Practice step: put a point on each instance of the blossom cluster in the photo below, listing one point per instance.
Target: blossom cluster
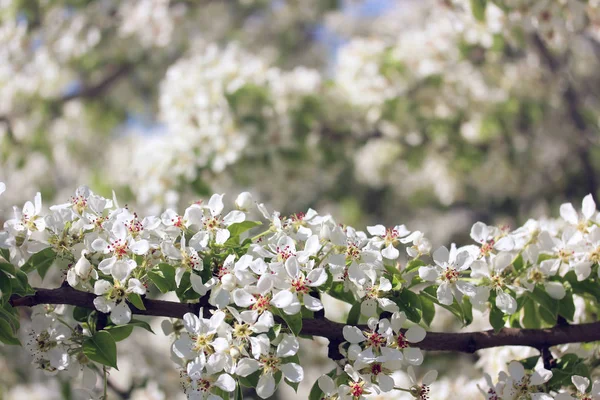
(258, 289)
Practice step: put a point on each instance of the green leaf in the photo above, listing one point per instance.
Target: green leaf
(7, 268)
(410, 303)
(163, 276)
(530, 362)
(496, 318)
(136, 300)
(530, 317)
(141, 324)
(239, 394)
(21, 285)
(414, 264)
(221, 393)
(40, 261)
(354, 315)
(294, 322)
(544, 300)
(251, 380)
(119, 332)
(5, 286)
(101, 348)
(10, 315)
(7, 335)
(428, 310)
(430, 294)
(566, 307)
(467, 309)
(238, 228)
(337, 292)
(80, 314)
(478, 7)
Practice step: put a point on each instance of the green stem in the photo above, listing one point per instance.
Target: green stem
(105, 395)
(261, 234)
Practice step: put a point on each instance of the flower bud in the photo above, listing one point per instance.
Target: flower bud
(228, 282)
(244, 201)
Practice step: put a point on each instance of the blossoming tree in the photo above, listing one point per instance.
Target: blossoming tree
(446, 114)
(249, 288)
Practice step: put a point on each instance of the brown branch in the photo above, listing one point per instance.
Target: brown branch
(100, 87)
(467, 342)
(573, 103)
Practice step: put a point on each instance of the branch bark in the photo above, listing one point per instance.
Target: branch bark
(465, 342)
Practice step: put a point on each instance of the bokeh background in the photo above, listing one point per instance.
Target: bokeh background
(431, 113)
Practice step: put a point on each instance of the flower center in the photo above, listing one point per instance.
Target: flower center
(356, 388)
(203, 343)
(450, 275)
(300, 285)
(375, 340)
(118, 247)
(401, 342)
(262, 303)
(242, 331)
(486, 248)
(283, 253)
(270, 363)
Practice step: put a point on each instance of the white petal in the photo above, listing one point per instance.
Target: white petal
(282, 299)
(429, 377)
(506, 303)
(369, 307)
(234, 217)
(516, 370)
(103, 305)
(441, 256)
(197, 285)
(413, 356)
(466, 288)
(215, 204)
(222, 236)
(311, 303)
(580, 382)
(540, 376)
(568, 213)
(501, 261)
(588, 206)
(191, 323)
(266, 386)
(292, 371)
(292, 267)
(288, 346)
(428, 274)
(444, 294)
(352, 334)
(480, 232)
(386, 383)
(377, 230)
(246, 366)
(243, 298)
(505, 244)
(415, 334)
(555, 289)
(326, 384)
(140, 247)
(120, 314)
(390, 252)
(225, 382)
(101, 287)
(316, 277)
(135, 286)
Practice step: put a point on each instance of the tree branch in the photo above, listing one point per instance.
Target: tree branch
(467, 342)
(573, 105)
(100, 87)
